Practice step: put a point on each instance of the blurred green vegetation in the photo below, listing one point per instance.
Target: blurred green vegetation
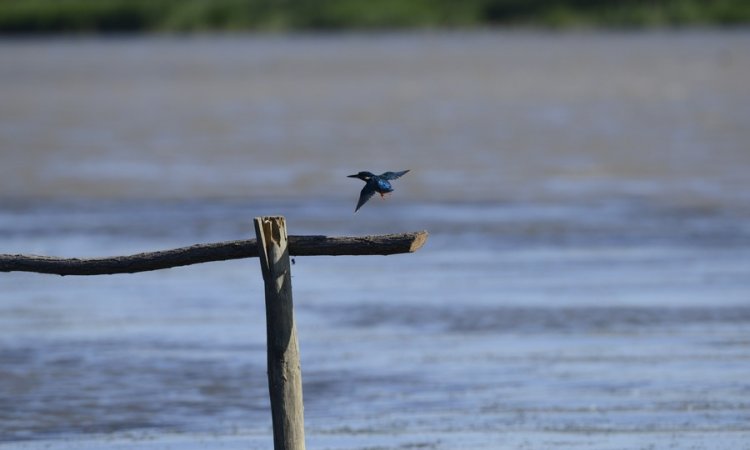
(119, 16)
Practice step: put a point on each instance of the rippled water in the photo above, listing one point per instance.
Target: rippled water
(585, 284)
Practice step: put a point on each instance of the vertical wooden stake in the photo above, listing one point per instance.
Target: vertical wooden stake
(284, 375)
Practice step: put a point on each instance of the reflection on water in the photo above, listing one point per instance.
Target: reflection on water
(585, 281)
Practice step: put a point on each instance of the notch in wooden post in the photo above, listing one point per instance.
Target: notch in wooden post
(284, 373)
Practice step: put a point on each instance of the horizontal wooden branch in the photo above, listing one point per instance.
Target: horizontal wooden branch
(386, 244)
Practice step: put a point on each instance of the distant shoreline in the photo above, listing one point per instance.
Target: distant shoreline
(21, 17)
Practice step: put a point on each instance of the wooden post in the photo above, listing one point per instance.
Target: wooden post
(384, 244)
(284, 374)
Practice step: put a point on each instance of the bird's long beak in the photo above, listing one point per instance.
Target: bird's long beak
(353, 176)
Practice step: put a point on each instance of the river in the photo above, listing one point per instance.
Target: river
(586, 283)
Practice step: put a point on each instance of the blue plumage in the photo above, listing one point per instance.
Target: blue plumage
(375, 183)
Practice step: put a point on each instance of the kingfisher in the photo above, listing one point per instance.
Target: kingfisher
(375, 183)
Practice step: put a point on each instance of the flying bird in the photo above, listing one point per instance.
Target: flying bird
(375, 183)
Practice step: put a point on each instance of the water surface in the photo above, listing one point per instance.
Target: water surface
(585, 284)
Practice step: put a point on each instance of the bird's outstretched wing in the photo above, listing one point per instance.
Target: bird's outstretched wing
(367, 192)
(392, 175)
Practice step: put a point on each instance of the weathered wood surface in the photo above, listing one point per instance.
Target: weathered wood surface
(386, 244)
(284, 372)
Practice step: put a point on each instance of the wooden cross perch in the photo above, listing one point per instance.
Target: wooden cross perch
(273, 247)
